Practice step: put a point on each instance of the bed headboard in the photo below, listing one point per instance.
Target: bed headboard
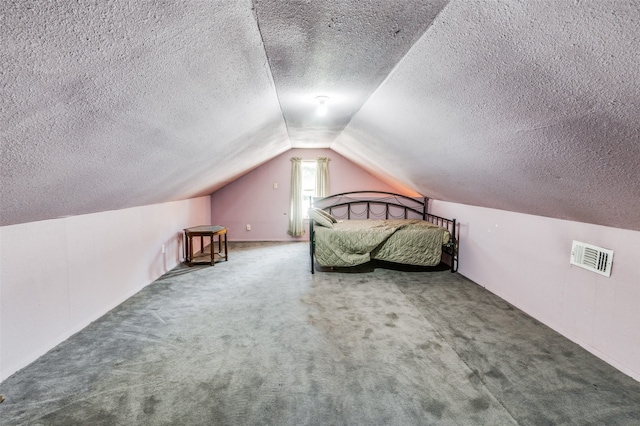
(372, 205)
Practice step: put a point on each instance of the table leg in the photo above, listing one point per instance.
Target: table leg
(226, 251)
(213, 245)
(190, 249)
(186, 247)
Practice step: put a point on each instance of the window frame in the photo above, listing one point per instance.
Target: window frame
(308, 192)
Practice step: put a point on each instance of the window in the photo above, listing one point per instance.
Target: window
(308, 185)
(308, 179)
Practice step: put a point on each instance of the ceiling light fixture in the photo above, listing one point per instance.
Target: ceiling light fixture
(322, 105)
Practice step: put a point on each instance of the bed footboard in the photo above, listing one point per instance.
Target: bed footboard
(450, 248)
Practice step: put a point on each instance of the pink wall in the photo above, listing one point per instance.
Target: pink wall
(252, 199)
(59, 275)
(525, 260)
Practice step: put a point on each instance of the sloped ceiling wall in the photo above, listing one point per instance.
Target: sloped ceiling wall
(528, 106)
(341, 50)
(118, 104)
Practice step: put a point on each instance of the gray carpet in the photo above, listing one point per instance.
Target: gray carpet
(258, 340)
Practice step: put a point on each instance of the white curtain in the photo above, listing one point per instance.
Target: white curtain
(296, 227)
(322, 177)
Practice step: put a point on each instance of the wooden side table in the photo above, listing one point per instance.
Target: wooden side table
(205, 231)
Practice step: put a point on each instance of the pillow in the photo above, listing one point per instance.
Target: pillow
(326, 214)
(319, 218)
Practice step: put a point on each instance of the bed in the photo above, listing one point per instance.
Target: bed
(354, 228)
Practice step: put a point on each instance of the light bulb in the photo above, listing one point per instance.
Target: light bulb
(321, 110)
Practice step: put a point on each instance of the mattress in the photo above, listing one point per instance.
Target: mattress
(354, 242)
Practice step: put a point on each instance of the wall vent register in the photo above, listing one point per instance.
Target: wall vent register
(592, 258)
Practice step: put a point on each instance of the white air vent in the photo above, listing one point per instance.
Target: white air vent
(593, 258)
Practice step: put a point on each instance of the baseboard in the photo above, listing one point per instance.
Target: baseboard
(586, 346)
(5, 373)
(596, 352)
(270, 241)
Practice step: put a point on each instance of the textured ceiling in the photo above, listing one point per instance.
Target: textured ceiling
(342, 50)
(527, 106)
(117, 104)
(530, 106)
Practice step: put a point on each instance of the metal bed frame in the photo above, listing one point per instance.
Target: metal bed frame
(394, 206)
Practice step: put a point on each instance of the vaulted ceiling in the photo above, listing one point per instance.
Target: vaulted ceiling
(527, 106)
